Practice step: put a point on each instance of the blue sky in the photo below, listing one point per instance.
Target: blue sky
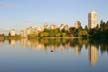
(23, 13)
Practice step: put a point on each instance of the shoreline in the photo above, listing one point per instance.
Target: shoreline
(18, 38)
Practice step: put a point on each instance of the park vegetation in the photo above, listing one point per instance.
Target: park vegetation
(101, 31)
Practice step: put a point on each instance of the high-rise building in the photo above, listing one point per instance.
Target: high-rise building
(77, 24)
(92, 20)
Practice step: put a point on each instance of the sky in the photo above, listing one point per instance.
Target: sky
(20, 14)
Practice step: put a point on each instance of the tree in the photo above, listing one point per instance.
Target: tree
(72, 30)
(86, 28)
(83, 33)
(106, 25)
(102, 25)
(97, 27)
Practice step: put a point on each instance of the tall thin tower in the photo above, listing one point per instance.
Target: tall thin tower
(92, 20)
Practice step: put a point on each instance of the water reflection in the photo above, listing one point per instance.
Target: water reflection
(12, 42)
(93, 54)
(55, 44)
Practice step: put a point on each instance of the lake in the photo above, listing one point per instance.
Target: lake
(53, 55)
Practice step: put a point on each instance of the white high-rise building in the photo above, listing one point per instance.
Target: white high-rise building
(92, 20)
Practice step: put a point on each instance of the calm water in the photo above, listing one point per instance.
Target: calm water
(53, 55)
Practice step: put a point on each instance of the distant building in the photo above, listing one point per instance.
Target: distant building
(23, 33)
(77, 24)
(29, 30)
(61, 26)
(53, 26)
(92, 20)
(39, 29)
(66, 27)
(12, 32)
(45, 26)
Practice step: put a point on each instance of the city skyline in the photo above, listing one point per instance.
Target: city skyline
(20, 14)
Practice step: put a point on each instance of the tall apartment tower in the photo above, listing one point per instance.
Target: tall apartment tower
(92, 20)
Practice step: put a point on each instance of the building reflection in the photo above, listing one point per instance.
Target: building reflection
(31, 43)
(62, 45)
(1, 43)
(93, 54)
(12, 42)
(25, 42)
(77, 50)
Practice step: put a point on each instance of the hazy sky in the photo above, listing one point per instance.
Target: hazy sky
(24, 13)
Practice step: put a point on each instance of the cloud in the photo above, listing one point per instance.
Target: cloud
(5, 5)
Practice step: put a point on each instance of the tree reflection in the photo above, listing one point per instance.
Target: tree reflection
(62, 44)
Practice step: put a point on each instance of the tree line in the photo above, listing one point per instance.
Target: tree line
(100, 31)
